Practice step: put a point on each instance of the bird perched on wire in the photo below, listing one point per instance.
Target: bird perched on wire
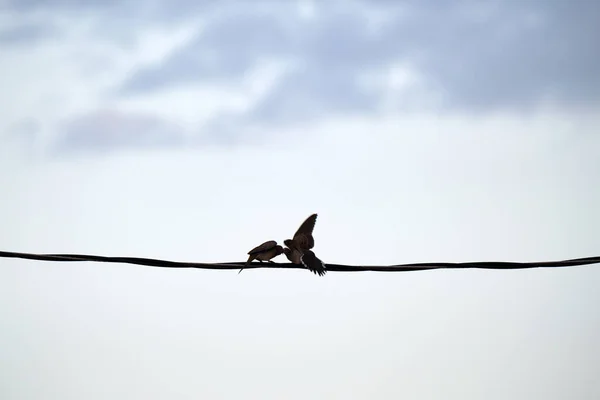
(264, 252)
(293, 255)
(298, 249)
(307, 258)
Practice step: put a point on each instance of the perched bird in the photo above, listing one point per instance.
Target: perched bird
(306, 258)
(264, 252)
(293, 255)
(298, 248)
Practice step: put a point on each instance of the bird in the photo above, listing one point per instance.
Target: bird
(293, 255)
(303, 238)
(307, 258)
(264, 252)
(298, 248)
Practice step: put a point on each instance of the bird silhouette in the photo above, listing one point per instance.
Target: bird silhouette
(299, 247)
(293, 255)
(303, 238)
(264, 252)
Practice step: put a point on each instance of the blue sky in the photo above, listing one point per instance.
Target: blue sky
(194, 131)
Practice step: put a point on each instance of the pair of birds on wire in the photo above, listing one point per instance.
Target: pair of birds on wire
(297, 250)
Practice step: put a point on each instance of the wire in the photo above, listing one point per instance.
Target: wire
(330, 267)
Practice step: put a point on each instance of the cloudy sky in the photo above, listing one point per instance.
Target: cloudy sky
(196, 130)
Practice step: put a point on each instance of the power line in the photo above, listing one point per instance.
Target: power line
(330, 267)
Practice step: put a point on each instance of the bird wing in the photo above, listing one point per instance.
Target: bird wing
(310, 261)
(303, 235)
(266, 246)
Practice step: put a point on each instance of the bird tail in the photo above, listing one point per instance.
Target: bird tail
(314, 265)
(247, 263)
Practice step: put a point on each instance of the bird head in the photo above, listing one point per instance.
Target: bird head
(278, 250)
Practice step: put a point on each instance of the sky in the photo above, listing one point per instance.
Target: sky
(196, 130)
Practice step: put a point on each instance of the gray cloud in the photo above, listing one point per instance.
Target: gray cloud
(309, 93)
(134, 11)
(228, 48)
(102, 131)
(480, 57)
(476, 56)
(331, 51)
(26, 34)
(29, 5)
(510, 56)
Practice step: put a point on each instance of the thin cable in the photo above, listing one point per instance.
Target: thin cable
(330, 267)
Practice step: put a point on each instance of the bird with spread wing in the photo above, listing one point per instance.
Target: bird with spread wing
(298, 249)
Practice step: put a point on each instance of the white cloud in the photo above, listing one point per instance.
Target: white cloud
(75, 73)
